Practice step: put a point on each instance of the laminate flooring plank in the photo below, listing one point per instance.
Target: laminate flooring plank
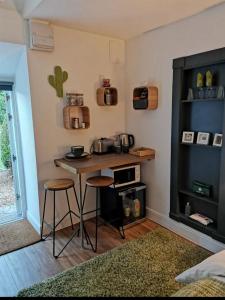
(8, 286)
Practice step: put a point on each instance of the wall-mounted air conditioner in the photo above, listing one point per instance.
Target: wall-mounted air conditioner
(41, 36)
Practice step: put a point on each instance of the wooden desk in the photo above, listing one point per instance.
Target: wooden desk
(96, 163)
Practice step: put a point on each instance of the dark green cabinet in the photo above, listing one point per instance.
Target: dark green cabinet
(194, 162)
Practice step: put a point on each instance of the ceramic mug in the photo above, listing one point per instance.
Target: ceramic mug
(77, 150)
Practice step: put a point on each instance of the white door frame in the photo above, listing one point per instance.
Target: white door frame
(16, 154)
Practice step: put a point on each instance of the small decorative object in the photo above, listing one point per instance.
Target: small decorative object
(187, 209)
(83, 125)
(220, 92)
(200, 80)
(75, 123)
(188, 137)
(218, 140)
(190, 95)
(200, 84)
(203, 138)
(209, 79)
(202, 188)
(57, 80)
(106, 83)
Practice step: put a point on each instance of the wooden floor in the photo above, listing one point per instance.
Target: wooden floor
(34, 264)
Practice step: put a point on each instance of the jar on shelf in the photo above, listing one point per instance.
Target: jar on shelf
(80, 99)
(108, 97)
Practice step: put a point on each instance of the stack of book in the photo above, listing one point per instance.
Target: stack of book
(201, 219)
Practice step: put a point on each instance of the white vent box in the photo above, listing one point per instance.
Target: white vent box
(41, 36)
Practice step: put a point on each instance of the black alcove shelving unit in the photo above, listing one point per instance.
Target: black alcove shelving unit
(191, 162)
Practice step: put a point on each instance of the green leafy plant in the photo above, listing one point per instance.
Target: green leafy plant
(4, 144)
(57, 80)
(2, 107)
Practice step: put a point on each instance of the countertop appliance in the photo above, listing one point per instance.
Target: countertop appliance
(127, 141)
(102, 146)
(124, 175)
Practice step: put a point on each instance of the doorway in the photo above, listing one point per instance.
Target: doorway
(11, 176)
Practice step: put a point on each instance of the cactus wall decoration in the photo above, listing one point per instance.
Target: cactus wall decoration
(57, 80)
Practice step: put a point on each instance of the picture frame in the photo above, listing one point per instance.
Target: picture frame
(188, 137)
(218, 140)
(203, 138)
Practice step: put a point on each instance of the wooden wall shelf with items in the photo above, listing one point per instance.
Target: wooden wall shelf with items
(76, 117)
(198, 150)
(145, 98)
(107, 96)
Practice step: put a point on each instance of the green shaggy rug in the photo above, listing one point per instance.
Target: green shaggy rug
(144, 267)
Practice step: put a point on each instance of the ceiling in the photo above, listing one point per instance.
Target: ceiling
(116, 18)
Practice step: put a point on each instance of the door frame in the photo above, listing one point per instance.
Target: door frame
(16, 150)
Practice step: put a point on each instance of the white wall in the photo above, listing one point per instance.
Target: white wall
(85, 57)
(149, 58)
(11, 27)
(24, 109)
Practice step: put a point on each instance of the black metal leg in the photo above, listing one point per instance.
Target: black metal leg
(78, 206)
(96, 223)
(85, 192)
(81, 212)
(69, 209)
(54, 227)
(43, 216)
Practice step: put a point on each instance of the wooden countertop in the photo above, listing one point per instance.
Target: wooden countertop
(100, 162)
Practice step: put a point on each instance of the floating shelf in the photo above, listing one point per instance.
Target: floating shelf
(202, 100)
(198, 197)
(71, 112)
(210, 229)
(202, 146)
(145, 98)
(102, 96)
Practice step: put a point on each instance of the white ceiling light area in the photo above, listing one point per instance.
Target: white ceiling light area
(116, 18)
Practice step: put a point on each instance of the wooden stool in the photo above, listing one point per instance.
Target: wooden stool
(55, 186)
(97, 182)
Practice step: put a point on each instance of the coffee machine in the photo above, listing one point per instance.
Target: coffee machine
(126, 141)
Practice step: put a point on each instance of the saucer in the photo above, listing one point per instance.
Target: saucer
(73, 156)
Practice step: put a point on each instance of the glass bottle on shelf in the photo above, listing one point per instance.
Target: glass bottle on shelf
(108, 97)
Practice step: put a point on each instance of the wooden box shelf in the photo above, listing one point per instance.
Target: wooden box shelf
(71, 112)
(102, 98)
(145, 98)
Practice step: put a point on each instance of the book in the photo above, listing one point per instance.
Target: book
(201, 219)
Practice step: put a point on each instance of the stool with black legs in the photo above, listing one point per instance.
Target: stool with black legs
(98, 182)
(56, 186)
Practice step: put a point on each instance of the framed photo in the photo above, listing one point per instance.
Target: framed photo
(188, 137)
(218, 140)
(203, 138)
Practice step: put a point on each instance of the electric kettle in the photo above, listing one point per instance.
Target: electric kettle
(127, 141)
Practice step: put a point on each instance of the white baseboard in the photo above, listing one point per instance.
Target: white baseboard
(33, 222)
(189, 233)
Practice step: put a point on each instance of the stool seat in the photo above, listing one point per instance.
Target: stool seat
(59, 184)
(99, 181)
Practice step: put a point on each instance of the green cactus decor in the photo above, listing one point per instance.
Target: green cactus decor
(200, 80)
(58, 80)
(209, 79)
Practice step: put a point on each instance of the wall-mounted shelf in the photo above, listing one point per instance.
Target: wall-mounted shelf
(145, 98)
(80, 112)
(107, 96)
(202, 100)
(191, 162)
